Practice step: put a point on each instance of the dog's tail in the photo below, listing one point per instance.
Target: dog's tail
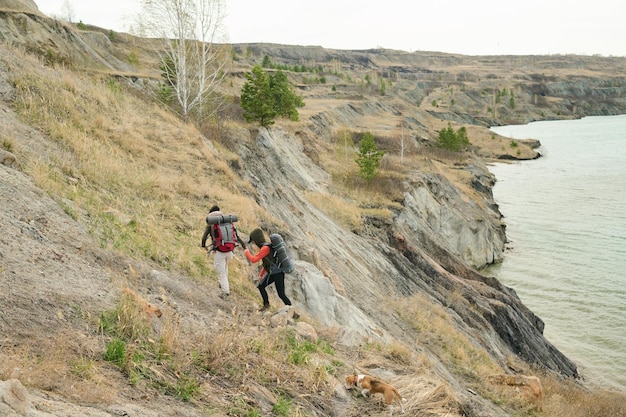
(399, 397)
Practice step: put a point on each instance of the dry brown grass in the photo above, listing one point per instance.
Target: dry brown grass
(427, 393)
(568, 399)
(263, 355)
(337, 208)
(351, 198)
(115, 153)
(241, 353)
(67, 365)
(435, 328)
(561, 397)
(143, 182)
(391, 183)
(415, 376)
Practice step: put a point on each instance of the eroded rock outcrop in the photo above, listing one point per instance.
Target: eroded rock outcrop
(20, 5)
(428, 247)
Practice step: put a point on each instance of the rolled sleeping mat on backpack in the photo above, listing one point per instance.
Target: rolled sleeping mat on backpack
(229, 218)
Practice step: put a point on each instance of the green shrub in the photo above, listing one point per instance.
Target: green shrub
(7, 145)
(186, 388)
(116, 352)
(282, 406)
(166, 94)
(133, 59)
(451, 140)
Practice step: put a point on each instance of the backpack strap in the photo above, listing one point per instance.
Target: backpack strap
(267, 260)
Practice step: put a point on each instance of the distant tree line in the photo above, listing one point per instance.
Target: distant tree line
(267, 63)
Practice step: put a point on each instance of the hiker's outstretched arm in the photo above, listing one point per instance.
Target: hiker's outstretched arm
(263, 252)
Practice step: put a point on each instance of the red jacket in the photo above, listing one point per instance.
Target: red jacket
(263, 252)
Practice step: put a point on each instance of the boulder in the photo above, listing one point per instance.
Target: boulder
(14, 398)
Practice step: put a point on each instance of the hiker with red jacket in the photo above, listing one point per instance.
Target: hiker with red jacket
(268, 275)
(223, 242)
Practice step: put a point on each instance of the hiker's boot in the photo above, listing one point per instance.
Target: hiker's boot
(264, 308)
(225, 296)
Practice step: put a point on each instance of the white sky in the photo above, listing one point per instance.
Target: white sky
(479, 27)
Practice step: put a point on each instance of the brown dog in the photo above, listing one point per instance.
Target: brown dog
(370, 386)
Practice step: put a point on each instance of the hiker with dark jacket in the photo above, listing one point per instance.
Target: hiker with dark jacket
(266, 276)
(222, 251)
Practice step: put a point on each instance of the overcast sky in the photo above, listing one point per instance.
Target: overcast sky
(479, 27)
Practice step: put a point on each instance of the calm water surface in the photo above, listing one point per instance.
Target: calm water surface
(566, 223)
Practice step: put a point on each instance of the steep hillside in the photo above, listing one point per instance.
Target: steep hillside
(109, 306)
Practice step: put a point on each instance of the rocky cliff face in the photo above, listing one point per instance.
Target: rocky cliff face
(428, 247)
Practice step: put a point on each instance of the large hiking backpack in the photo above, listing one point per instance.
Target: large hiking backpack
(280, 254)
(224, 232)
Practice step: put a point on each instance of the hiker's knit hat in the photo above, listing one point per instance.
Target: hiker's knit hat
(257, 237)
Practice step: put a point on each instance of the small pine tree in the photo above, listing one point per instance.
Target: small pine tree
(264, 96)
(256, 98)
(267, 62)
(168, 69)
(461, 138)
(286, 101)
(451, 140)
(446, 138)
(369, 157)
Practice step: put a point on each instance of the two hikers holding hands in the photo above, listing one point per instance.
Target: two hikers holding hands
(273, 254)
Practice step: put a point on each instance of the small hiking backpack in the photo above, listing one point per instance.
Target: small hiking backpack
(224, 232)
(280, 254)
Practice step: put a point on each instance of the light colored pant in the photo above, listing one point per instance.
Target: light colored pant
(220, 261)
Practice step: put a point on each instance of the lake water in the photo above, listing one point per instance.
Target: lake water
(566, 223)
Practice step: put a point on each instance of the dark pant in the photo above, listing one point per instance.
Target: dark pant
(279, 279)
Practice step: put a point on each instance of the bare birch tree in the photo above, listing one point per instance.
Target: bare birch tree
(403, 142)
(194, 62)
(68, 11)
